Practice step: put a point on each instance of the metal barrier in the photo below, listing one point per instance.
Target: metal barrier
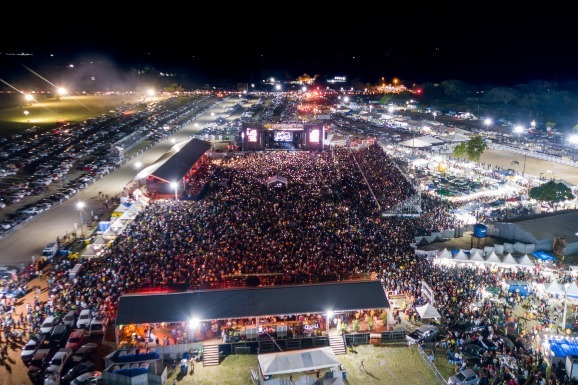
(438, 375)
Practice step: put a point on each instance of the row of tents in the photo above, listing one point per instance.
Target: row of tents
(479, 256)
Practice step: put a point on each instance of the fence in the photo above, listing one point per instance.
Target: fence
(425, 357)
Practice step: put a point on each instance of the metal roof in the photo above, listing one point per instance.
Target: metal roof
(251, 302)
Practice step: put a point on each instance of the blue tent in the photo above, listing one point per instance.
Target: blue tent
(543, 256)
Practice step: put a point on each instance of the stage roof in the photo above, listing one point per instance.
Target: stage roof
(175, 163)
(251, 302)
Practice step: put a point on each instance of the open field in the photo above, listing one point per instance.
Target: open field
(46, 112)
(391, 364)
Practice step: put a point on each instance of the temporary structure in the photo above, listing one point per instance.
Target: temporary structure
(296, 362)
(461, 256)
(445, 254)
(525, 261)
(427, 311)
(476, 256)
(572, 290)
(555, 288)
(509, 261)
(493, 258)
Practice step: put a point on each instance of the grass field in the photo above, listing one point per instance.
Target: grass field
(391, 364)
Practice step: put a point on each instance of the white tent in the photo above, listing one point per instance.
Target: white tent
(415, 143)
(427, 311)
(90, 252)
(110, 233)
(299, 361)
(100, 241)
(525, 261)
(554, 288)
(509, 261)
(572, 290)
(445, 254)
(461, 256)
(493, 258)
(476, 256)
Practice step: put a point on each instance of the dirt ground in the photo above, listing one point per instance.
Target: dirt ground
(533, 166)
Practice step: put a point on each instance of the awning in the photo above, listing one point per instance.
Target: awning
(296, 362)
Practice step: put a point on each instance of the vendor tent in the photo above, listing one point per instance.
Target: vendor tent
(296, 362)
(476, 256)
(493, 258)
(445, 254)
(427, 311)
(461, 256)
(89, 253)
(555, 288)
(509, 261)
(415, 143)
(572, 290)
(525, 261)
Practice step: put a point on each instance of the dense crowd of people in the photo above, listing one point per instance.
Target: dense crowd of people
(324, 222)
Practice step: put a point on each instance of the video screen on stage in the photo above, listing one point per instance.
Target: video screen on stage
(314, 136)
(251, 135)
(283, 136)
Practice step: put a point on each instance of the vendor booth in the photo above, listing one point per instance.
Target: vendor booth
(274, 366)
(520, 287)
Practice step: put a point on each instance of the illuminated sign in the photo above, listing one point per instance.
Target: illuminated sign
(314, 136)
(284, 126)
(251, 135)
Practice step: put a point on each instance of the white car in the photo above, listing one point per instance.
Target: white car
(47, 325)
(84, 319)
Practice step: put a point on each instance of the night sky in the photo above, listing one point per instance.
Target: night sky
(223, 44)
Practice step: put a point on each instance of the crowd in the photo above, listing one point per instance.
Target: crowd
(324, 222)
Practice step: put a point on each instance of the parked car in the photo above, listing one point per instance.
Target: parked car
(59, 335)
(69, 318)
(423, 333)
(94, 377)
(47, 325)
(83, 352)
(75, 339)
(508, 361)
(30, 348)
(464, 377)
(77, 370)
(84, 318)
(58, 361)
(472, 352)
(38, 363)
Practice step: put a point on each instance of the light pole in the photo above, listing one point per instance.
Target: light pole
(137, 165)
(175, 185)
(79, 207)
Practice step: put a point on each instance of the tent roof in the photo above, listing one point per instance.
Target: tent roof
(572, 290)
(493, 258)
(295, 362)
(509, 260)
(445, 253)
(251, 302)
(555, 288)
(174, 164)
(477, 256)
(430, 139)
(427, 311)
(461, 256)
(415, 143)
(525, 261)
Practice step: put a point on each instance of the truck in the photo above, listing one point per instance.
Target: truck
(50, 250)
